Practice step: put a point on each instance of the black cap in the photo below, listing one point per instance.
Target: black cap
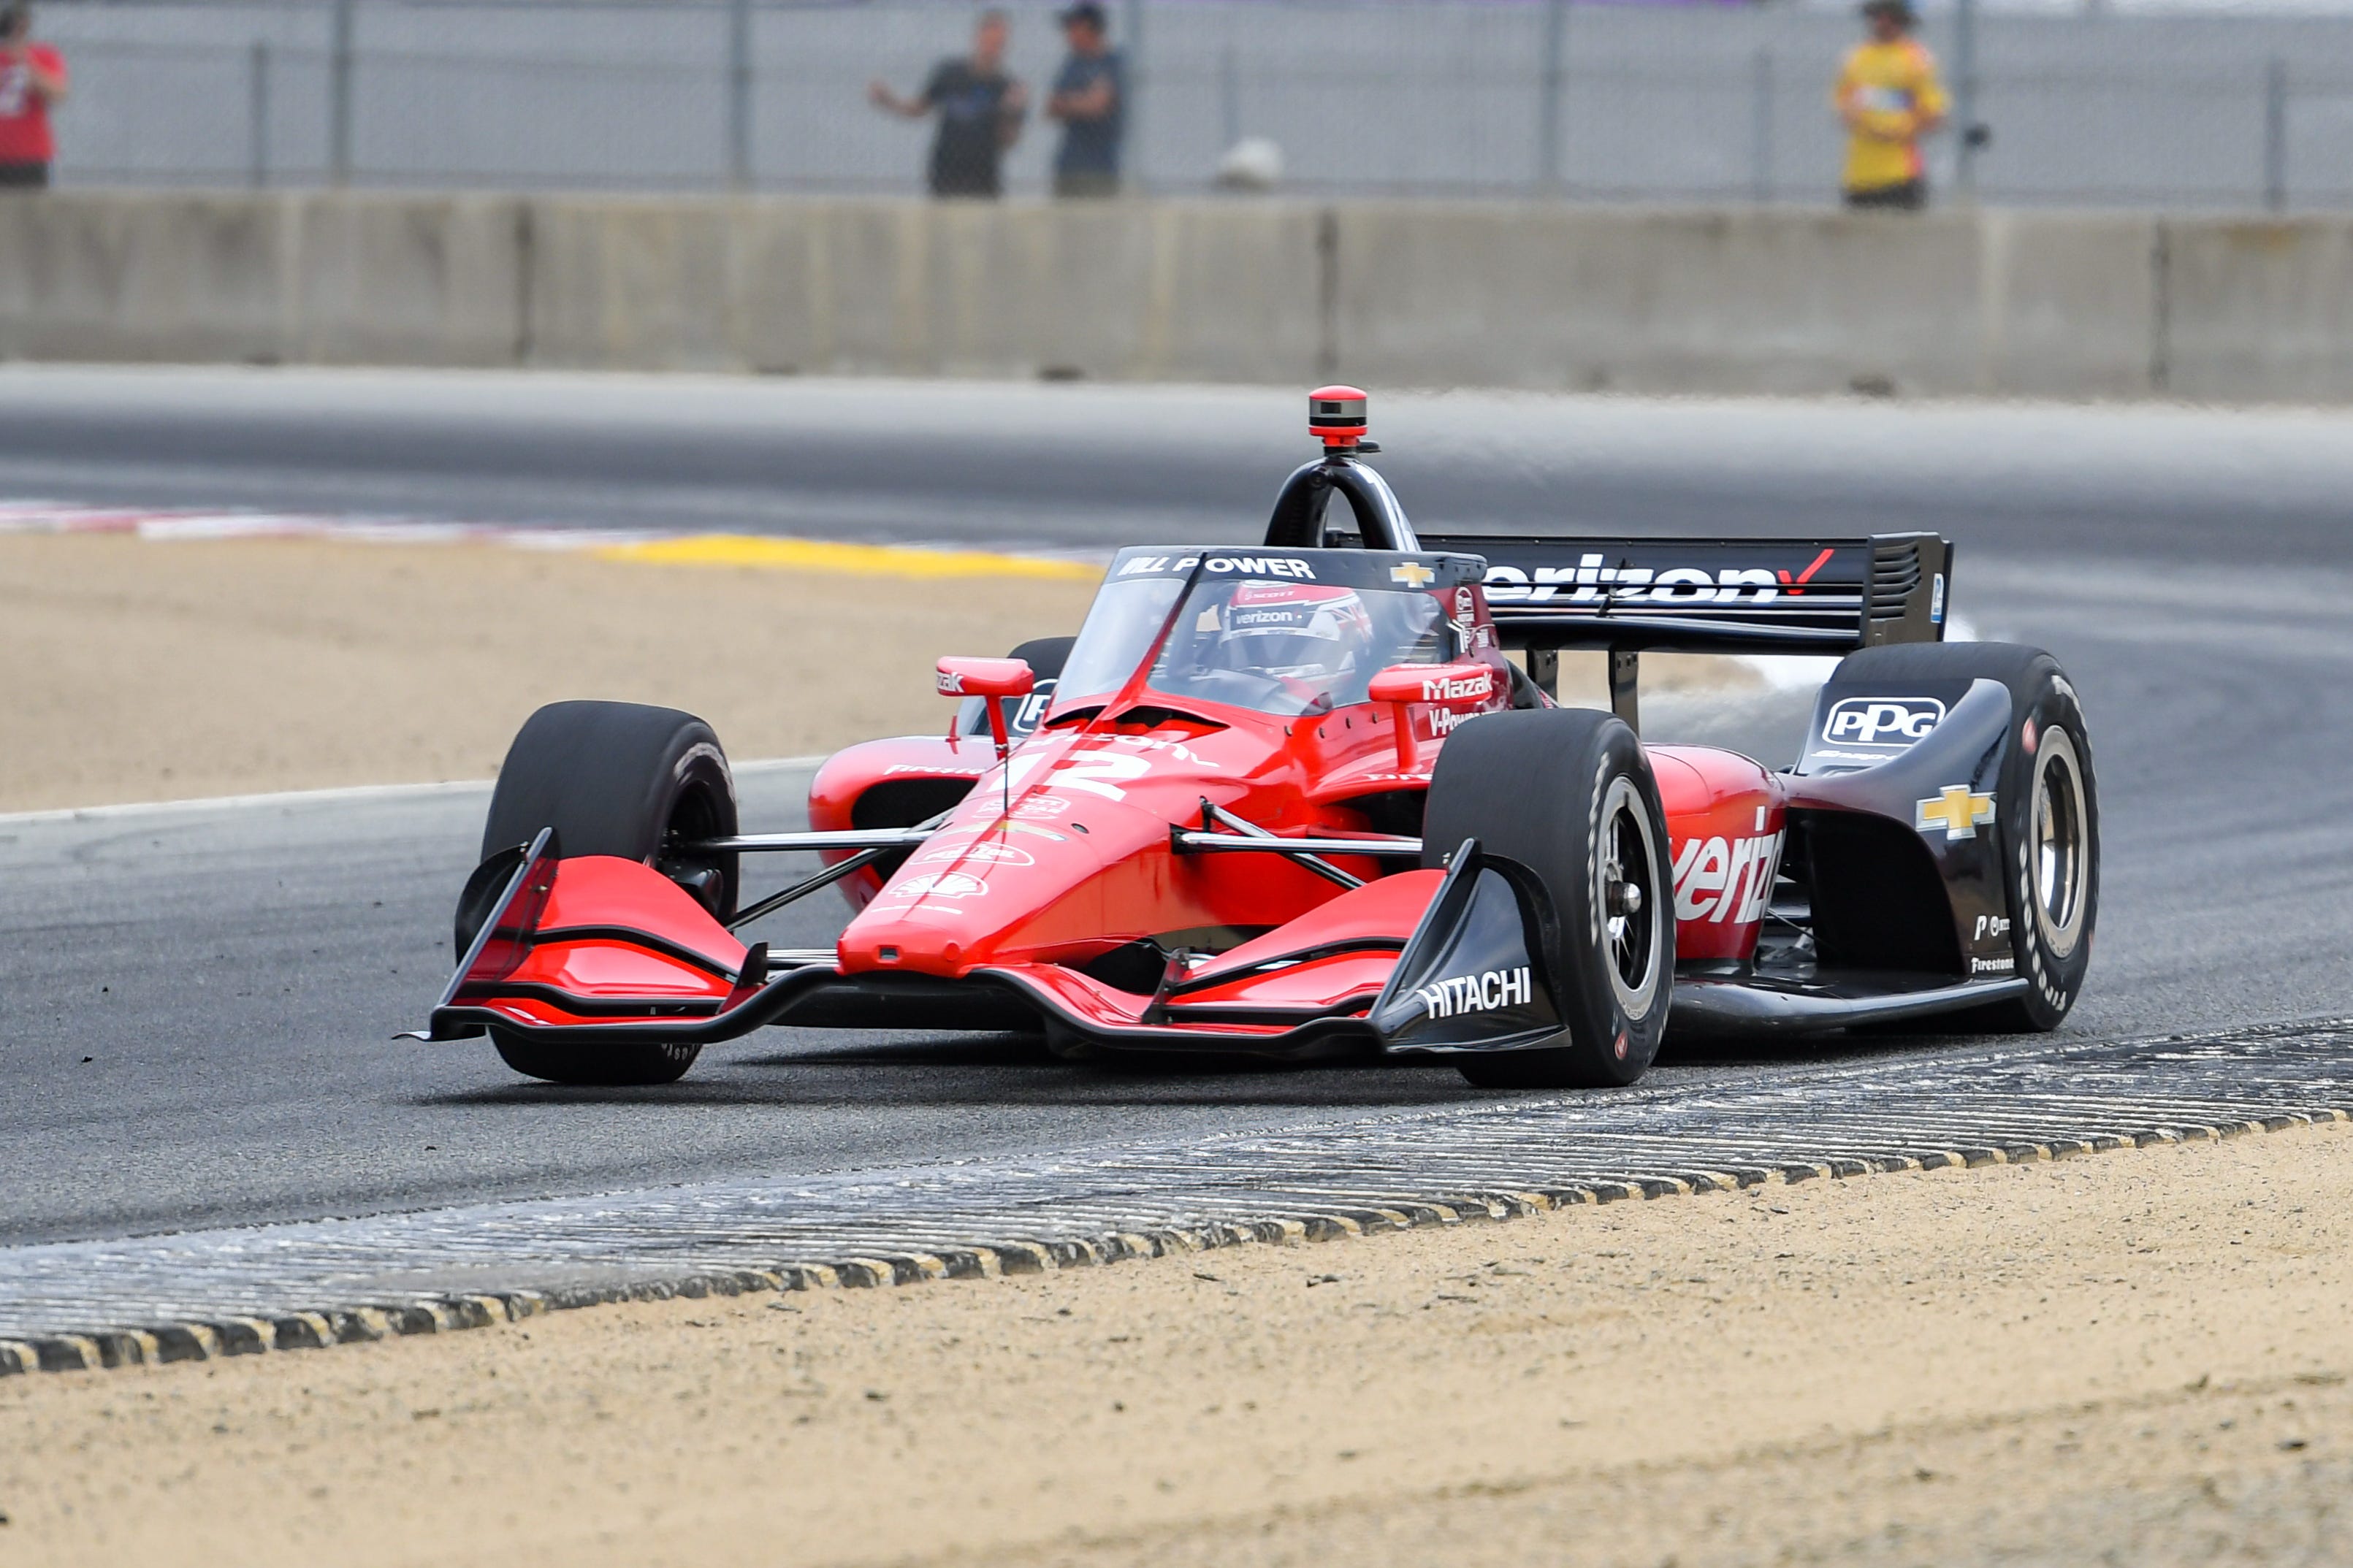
(1901, 10)
(1085, 11)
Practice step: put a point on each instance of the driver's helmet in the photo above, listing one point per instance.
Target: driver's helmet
(1295, 629)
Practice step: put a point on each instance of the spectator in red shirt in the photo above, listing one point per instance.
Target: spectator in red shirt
(32, 77)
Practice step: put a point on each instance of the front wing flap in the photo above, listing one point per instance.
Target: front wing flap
(598, 951)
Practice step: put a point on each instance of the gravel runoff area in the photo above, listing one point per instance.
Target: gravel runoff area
(142, 670)
(2136, 1357)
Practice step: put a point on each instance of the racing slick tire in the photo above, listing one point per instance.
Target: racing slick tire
(2048, 806)
(613, 1066)
(1567, 792)
(611, 778)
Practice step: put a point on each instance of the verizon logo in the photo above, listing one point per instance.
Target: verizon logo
(1725, 880)
(1591, 582)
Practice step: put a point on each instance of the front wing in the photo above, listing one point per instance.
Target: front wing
(597, 951)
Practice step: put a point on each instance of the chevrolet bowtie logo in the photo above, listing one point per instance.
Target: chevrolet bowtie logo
(1956, 811)
(1413, 575)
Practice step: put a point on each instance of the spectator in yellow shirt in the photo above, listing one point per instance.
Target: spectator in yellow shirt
(1889, 98)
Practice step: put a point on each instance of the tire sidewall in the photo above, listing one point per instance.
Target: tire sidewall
(613, 778)
(1620, 1040)
(1532, 786)
(2047, 702)
(634, 1066)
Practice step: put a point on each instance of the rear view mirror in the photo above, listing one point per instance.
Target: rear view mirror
(985, 677)
(992, 681)
(1456, 688)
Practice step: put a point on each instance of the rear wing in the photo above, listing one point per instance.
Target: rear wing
(1712, 595)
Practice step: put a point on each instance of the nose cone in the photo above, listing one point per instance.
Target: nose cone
(957, 902)
(1074, 858)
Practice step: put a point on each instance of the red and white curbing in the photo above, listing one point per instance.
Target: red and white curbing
(176, 524)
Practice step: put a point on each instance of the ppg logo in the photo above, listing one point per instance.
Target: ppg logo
(1882, 720)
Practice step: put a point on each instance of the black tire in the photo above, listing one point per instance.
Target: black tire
(613, 1066)
(1567, 792)
(2048, 806)
(611, 778)
(621, 778)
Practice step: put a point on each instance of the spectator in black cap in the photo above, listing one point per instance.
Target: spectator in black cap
(1090, 98)
(980, 109)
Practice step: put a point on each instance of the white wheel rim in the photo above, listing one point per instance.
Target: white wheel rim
(1627, 900)
(2058, 845)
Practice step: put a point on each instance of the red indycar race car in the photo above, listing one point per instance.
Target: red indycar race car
(1293, 801)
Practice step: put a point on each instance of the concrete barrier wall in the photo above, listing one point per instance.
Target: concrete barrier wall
(1539, 296)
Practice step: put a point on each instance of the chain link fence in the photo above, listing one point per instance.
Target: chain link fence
(1539, 96)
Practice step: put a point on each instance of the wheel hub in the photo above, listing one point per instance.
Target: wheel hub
(1627, 890)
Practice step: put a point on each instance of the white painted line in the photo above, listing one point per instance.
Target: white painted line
(300, 797)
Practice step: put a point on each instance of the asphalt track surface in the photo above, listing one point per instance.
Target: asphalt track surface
(233, 974)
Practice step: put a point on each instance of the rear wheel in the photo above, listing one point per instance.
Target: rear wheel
(1567, 792)
(2048, 805)
(611, 778)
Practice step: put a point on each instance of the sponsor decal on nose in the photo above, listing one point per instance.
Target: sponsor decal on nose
(984, 854)
(938, 885)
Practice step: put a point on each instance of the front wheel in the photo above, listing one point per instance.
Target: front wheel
(612, 778)
(606, 1067)
(1567, 792)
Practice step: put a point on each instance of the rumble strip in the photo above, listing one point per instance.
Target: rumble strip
(80, 1305)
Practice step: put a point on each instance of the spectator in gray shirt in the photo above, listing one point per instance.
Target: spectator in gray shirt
(980, 109)
(1090, 98)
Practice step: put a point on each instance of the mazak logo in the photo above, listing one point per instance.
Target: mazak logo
(981, 854)
(1726, 881)
(951, 683)
(1480, 993)
(939, 885)
(1459, 689)
(1892, 722)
